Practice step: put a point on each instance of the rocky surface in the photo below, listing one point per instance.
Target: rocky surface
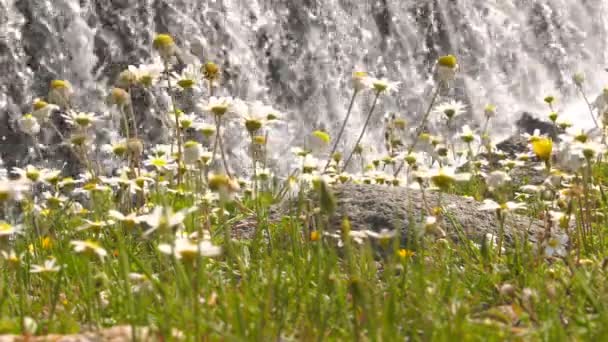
(527, 123)
(376, 207)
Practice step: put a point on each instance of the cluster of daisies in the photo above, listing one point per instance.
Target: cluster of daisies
(176, 192)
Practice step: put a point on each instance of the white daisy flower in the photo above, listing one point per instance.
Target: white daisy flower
(7, 229)
(497, 179)
(81, 119)
(556, 245)
(89, 247)
(43, 110)
(383, 85)
(29, 125)
(449, 110)
(188, 79)
(186, 249)
(217, 105)
(148, 74)
(49, 266)
(490, 205)
(164, 218)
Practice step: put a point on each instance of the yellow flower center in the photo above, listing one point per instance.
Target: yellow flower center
(190, 144)
(32, 175)
(253, 125)
(78, 139)
(359, 74)
(185, 123)
(323, 136)
(442, 180)
(211, 71)
(146, 80)
(119, 149)
(186, 83)
(163, 41)
(380, 86)
(5, 227)
(219, 109)
(581, 138)
(218, 181)
(159, 162)
(83, 120)
(449, 61)
(60, 84)
(259, 140)
(39, 104)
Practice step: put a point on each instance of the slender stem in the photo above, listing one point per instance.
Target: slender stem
(218, 140)
(37, 147)
(350, 108)
(177, 127)
(501, 231)
(580, 89)
(255, 176)
(484, 131)
(57, 131)
(369, 116)
(132, 114)
(125, 119)
(217, 131)
(449, 139)
(420, 128)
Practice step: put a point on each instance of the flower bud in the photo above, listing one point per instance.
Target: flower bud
(578, 79)
(553, 116)
(549, 100)
(192, 152)
(126, 79)
(211, 71)
(165, 45)
(360, 80)
(253, 125)
(119, 97)
(135, 147)
(60, 92)
(447, 67)
(119, 149)
(489, 111)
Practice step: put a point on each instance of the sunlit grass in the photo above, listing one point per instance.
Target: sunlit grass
(179, 240)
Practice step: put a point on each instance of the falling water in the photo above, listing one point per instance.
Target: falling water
(299, 55)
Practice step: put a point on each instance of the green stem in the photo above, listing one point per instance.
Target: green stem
(420, 127)
(350, 108)
(125, 120)
(580, 89)
(178, 130)
(218, 141)
(132, 114)
(369, 116)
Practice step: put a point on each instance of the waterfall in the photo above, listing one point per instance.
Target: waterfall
(299, 55)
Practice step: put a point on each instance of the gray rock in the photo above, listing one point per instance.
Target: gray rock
(377, 207)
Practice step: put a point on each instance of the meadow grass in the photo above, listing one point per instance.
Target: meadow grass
(175, 241)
